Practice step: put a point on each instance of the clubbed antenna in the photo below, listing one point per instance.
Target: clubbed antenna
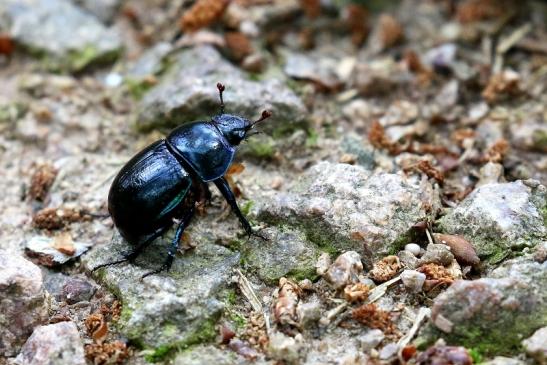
(221, 89)
(265, 115)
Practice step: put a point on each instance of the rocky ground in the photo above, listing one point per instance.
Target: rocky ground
(400, 182)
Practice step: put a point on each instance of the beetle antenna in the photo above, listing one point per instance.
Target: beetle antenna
(265, 115)
(221, 89)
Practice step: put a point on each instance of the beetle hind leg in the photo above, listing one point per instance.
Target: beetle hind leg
(132, 255)
(174, 244)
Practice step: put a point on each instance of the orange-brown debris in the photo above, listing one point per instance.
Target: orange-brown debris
(107, 353)
(202, 14)
(370, 315)
(41, 181)
(385, 269)
(356, 292)
(55, 218)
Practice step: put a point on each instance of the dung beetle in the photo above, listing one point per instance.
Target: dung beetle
(165, 180)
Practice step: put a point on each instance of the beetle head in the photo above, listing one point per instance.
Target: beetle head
(235, 128)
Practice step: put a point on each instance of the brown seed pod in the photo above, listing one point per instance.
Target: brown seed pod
(462, 250)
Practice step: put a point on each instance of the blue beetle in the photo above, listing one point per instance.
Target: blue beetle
(165, 180)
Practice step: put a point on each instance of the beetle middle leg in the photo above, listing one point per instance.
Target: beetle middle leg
(228, 194)
(174, 243)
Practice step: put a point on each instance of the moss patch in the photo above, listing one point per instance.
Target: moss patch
(205, 333)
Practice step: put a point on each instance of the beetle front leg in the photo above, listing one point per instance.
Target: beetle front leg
(227, 193)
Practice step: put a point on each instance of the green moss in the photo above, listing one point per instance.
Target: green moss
(205, 333)
(540, 140)
(137, 88)
(308, 272)
(237, 319)
(476, 356)
(12, 112)
(311, 140)
(246, 208)
(262, 148)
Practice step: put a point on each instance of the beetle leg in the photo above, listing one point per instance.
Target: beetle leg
(132, 255)
(174, 244)
(224, 188)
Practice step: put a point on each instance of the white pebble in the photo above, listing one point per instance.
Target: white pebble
(413, 248)
(413, 280)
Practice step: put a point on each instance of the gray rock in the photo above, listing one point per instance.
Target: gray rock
(206, 355)
(494, 313)
(530, 134)
(286, 254)
(413, 280)
(371, 339)
(317, 68)
(389, 351)
(345, 270)
(172, 309)
(187, 92)
(285, 348)
(438, 254)
(151, 63)
(408, 260)
(342, 207)
(22, 297)
(536, 345)
(102, 9)
(309, 312)
(41, 249)
(64, 36)
(334, 347)
(53, 344)
(501, 360)
(354, 145)
(77, 290)
(498, 218)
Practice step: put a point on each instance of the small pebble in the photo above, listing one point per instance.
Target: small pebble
(371, 339)
(413, 248)
(413, 280)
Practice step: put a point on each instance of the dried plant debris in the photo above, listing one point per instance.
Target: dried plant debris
(356, 292)
(437, 276)
(287, 300)
(496, 152)
(445, 355)
(372, 316)
(56, 218)
(475, 10)
(202, 14)
(427, 168)
(357, 21)
(378, 138)
(41, 181)
(502, 86)
(96, 326)
(312, 8)
(54, 251)
(463, 250)
(6, 44)
(109, 353)
(385, 269)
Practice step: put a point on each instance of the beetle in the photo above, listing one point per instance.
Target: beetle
(165, 180)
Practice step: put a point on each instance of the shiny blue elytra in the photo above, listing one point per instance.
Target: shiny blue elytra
(164, 181)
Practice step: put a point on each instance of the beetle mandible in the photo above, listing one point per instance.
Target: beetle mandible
(165, 180)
